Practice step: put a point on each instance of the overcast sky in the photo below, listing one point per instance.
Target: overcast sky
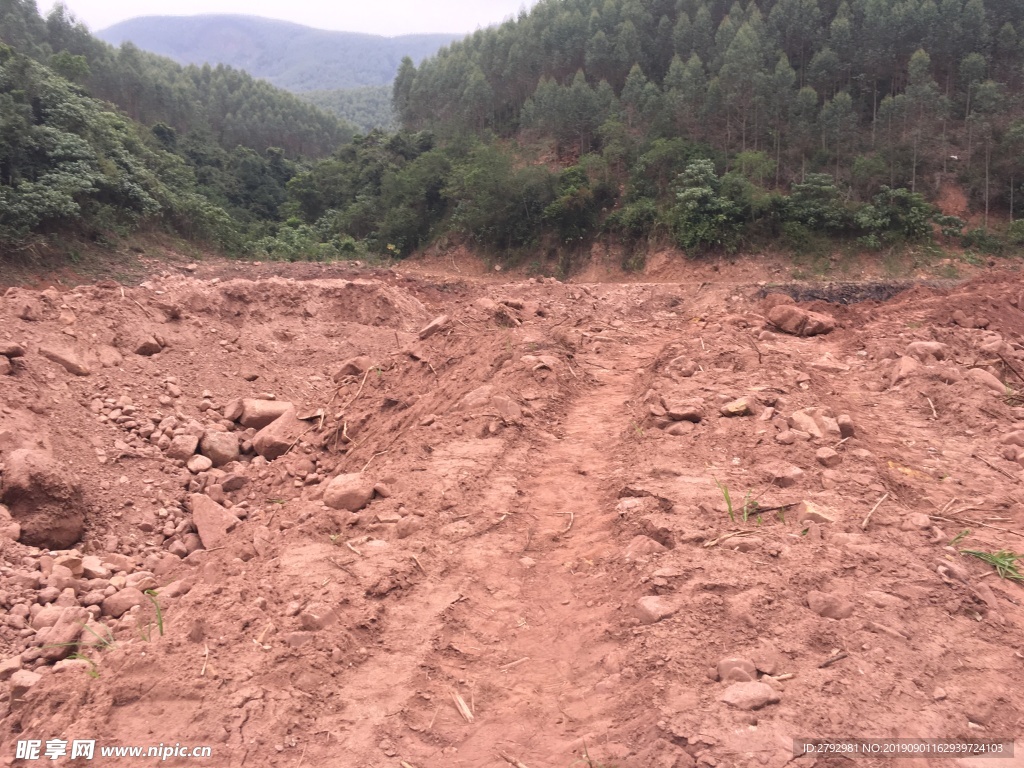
(380, 17)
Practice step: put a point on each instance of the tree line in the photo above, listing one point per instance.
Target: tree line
(103, 140)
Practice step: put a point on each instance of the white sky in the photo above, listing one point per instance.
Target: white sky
(379, 17)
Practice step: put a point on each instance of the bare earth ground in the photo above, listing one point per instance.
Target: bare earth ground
(538, 537)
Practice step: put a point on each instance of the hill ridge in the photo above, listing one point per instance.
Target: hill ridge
(292, 56)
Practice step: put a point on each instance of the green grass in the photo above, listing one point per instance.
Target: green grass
(152, 595)
(960, 537)
(1004, 561)
(750, 505)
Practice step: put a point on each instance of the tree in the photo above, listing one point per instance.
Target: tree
(703, 218)
(924, 104)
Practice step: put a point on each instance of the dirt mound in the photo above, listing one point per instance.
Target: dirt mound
(438, 521)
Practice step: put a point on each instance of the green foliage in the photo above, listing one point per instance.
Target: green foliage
(703, 217)
(1015, 233)
(984, 241)
(1004, 561)
(367, 108)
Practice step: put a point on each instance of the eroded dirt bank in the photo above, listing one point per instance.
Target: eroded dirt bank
(459, 523)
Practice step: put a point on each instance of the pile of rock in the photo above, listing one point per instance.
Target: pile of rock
(8, 352)
(58, 600)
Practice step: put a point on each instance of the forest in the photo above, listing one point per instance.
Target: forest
(710, 126)
(97, 141)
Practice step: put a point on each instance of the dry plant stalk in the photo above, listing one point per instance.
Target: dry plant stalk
(463, 707)
(511, 760)
(864, 525)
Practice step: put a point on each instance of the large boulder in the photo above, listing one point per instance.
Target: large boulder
(46, 501)
(259, 413)
(351, 492)
(220, 447)
(800, 322)
(212, 521)
(275, 439)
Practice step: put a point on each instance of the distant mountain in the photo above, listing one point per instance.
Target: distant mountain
(290, 56)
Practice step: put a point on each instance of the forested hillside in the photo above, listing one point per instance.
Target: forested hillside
(366, 108)
(878, 95)
(100, 140)
(290, 56)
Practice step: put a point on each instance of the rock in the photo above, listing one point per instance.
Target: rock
(141, 580)
(62, 638)
(847, 428)
(148, 346)
(182, 447)
(407, 526)
(748, 696)
(916, 521)
(684, 412)
(351, 492)
(828, 457)
(923, 351)
(681, 366)
(355, 366)
(233, 409)
(643, 545)
(904, 368)
(784, 475)
(808, 512)
(986, 379)
(741, 407)
(118, 562)
(274, 440)
(65, 358)
(234, 482)
(773, 300)
(29, 310)
(6, 367)
(73, 562)
(680, 428)
(654, 608)
(10, 349)
(434, 326)
(507, 409)
(108, 356)
(8, 667)
(121, 602)
(800, 322)
(804, 422)
(786, 437)
(44, 500)
(816, 422)
(220, 447)
(93, 568)
(829, 364)
(260, 413)
(213, 523)
(199, 463)
(22, 682)
(736, 670)
(829, 606)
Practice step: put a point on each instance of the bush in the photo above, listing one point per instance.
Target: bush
(1015, 234)
(703, 218)
(984, 241)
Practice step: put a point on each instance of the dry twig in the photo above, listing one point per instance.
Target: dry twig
(833, 659)
(864, 525)
(463, 707)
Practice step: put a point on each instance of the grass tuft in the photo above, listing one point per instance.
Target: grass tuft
(1004, 561)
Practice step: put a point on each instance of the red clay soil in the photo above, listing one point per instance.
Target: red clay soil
(541, 568)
